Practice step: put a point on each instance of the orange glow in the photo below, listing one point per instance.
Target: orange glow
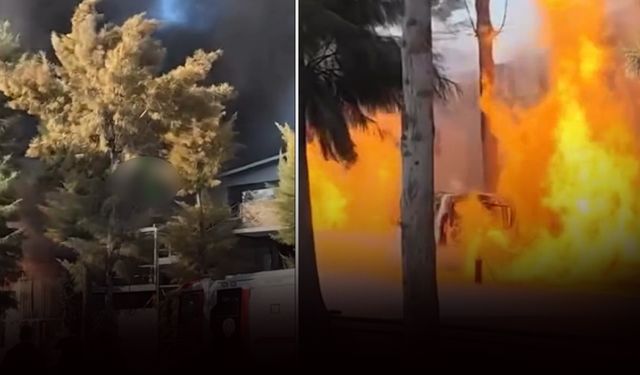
(569, 167)
(356, 210)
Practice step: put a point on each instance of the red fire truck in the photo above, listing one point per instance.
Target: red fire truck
(249, 314)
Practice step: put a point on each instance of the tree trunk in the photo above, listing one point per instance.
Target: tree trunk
(110, 316)
(313, 317)
(486, 35)
(86, 292)
(421, 313)
(202, 267)
(110, 320)
(108, 297)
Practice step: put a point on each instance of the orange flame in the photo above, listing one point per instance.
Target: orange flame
(570, 165)
(356, 210)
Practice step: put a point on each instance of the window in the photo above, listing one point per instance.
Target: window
(254, 204)
(267, 193)
(236, 194)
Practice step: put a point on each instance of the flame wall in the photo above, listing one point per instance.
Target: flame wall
(570, 164)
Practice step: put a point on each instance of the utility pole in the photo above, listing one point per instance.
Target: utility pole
(486, 35)
(156, 278)
(156, 267)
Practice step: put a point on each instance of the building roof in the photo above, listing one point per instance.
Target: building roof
(250, 166)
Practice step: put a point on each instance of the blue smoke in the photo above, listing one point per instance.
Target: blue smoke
(196, 15)
(171, 12)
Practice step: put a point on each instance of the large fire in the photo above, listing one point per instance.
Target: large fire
(356, 210)
(569, 167)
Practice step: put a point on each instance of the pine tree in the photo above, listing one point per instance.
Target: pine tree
(201, 234)
(286, 197)
(103, 102)
(77, 219)
(201, 230)
(199, 149)
(12, 140)
(10, 48)
(10, 235)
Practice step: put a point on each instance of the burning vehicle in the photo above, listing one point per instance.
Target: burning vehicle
(448, 217)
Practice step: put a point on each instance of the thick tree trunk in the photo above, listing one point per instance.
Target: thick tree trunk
(421, 312)
(486, 36)
(313, 317)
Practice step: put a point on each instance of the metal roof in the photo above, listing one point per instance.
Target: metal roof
(249, 166)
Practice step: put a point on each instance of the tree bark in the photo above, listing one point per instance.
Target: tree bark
(86, 292)
(421, 311)
(108, 265)
(313, 317)
(201, 260)
(486, 35)
(108, 274)
(110, 324)
(110, 321)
